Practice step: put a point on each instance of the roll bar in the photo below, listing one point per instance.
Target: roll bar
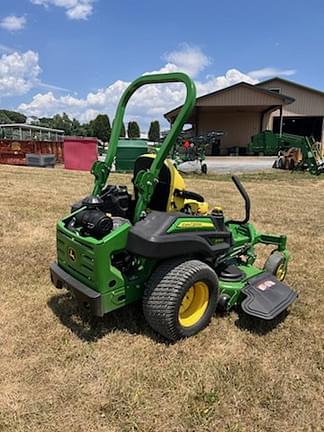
(145, 181)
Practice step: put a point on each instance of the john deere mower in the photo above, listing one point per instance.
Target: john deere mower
(163, 246)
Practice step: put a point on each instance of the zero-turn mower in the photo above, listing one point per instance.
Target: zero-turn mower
(163, 246)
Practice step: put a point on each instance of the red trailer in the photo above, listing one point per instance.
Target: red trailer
(17, 140)
(80, 152)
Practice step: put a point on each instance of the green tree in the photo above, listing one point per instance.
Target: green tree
(154, 131)
(77, 129)
(62, 122)
(44, 122)
(4, 118)
(100, 127)
(133, 130)
(7, 116)
(123, 131)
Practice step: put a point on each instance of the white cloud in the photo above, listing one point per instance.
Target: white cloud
(149, 102)
(214, 83)
(268, 72)
(75, 9)
(19, 73)
(13, 23)
(187, 59)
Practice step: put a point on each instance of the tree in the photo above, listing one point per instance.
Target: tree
(133, 130)
(100, 127)
(44, 122)
(4, 118)
(154, 131)
(62, 122)
(123, 131)
(77, 129)
(7, 116)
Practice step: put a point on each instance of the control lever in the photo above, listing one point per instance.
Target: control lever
(247, 202)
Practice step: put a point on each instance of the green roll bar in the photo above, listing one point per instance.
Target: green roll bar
(145, 181)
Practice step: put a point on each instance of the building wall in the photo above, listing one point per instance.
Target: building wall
(238, 127)
(239, 96)
(307, 103)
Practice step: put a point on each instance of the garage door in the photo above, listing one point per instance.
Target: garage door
(306, 126)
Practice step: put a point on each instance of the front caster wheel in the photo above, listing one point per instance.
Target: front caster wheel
(180, 298)
(277, 265)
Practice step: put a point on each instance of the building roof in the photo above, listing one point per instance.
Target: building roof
(28, 126)
(302, 86)
(282, 99)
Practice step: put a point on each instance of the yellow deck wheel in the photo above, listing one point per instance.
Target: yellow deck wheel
(281, 272)
(194, 304)
(277, 265)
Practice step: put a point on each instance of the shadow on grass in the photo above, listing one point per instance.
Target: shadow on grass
(256, 325)
(128, 319)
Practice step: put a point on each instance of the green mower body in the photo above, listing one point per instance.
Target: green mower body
(161, 245)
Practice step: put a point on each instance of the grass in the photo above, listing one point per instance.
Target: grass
(62, 372)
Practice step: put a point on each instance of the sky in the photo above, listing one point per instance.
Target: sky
(77, 56)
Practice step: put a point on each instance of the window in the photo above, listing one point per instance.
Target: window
(275, 90)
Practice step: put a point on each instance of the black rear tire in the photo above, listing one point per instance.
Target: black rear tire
(165, 293)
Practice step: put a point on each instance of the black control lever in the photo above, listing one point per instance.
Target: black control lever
(247, 201)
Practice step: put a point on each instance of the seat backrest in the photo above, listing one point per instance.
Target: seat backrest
(169, 180)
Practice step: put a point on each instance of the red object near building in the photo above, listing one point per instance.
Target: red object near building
(13, 152)
(79, 152)
(19, 139)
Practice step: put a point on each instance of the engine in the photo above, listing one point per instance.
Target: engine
(99, 215)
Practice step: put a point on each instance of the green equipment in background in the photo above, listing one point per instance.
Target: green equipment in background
(128, 150)
(163, 246)
(265, 143)
(193, 149)
(294, 152)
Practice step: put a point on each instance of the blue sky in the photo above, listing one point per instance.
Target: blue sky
(78, 55)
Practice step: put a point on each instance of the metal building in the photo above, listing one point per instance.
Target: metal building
(302, 117)
(243, 110)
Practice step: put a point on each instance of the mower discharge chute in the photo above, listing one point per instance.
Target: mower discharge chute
(163, 246)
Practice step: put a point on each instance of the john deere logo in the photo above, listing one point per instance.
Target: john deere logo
(72, 254)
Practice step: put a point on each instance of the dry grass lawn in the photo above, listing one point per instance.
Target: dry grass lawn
(62, 372)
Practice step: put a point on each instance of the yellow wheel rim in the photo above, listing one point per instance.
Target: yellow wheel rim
(281, 272)
(194, 304)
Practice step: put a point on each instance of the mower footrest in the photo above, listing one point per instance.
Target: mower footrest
(266, 296)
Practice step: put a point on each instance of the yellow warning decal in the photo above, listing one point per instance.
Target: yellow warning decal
(195, 224)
